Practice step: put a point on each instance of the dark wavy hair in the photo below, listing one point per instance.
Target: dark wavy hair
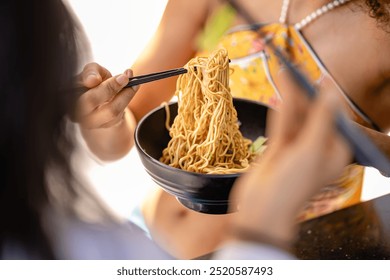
(39, 57)
(380, 10)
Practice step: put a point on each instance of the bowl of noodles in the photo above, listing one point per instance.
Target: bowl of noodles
(197, 147)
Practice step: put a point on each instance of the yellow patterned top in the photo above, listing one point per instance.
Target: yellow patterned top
(255, 69)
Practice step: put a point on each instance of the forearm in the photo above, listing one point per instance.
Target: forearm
(172, 46)
(114, 142)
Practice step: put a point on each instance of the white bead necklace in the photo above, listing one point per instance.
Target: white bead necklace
(305, 21)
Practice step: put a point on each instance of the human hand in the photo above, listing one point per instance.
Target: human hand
(304, 154)
(104, 103)
(106, 123)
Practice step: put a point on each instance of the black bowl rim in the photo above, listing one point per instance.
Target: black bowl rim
(163, 165)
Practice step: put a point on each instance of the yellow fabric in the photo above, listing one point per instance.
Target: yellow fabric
(251, 60)
(255, 70)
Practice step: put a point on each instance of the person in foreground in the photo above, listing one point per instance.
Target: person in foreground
(45, 210)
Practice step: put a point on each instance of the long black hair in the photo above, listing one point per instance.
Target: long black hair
(39, 56)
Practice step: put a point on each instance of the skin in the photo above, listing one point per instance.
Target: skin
(183, 233)
(303, 158)
(306, 155)
(371, 93)
(355, 58)
(370, 46)
(102, 112)
(165, 52)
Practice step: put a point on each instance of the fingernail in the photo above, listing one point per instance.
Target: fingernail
(92, 75)
(122, 79)
(129, 73)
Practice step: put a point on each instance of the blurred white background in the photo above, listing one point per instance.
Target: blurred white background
(118, 30)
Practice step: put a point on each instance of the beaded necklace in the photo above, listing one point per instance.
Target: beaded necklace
(308, 19)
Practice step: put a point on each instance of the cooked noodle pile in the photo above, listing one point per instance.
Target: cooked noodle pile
(205, 134)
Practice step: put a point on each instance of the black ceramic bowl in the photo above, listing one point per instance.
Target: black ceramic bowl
(206, 193)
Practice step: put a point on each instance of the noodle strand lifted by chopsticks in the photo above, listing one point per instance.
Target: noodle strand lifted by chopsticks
(205, 136)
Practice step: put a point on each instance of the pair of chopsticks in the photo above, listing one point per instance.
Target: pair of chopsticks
(365, 151)
(142, 79)
(137, 80)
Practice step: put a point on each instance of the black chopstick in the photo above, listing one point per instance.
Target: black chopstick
(137, 80)
(365, 151)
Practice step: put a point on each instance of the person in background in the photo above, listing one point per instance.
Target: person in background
(317, 37)
(41, 195)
